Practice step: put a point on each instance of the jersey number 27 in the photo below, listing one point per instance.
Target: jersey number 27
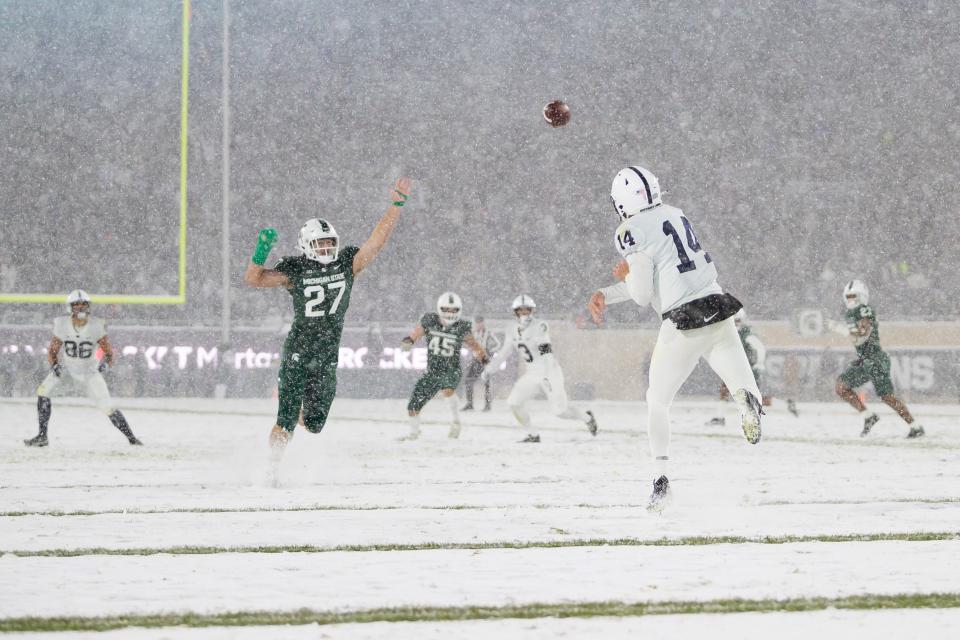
(315, 296)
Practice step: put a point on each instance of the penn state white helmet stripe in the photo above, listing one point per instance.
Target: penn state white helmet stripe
(646, 185)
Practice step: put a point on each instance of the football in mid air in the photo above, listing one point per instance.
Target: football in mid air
(556, 113)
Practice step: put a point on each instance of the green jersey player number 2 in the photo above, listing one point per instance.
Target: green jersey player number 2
(319, 281)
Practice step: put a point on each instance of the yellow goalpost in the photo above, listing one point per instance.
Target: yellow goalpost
(181, 295)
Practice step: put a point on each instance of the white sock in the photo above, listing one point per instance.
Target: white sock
(867, 410)
(452, 402)
(415, 425)
(660, 464)
(522, 416)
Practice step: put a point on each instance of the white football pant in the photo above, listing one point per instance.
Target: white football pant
(675, 356)
(549, 381)
(93, 382)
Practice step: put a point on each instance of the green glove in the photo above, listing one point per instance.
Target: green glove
(265, 242)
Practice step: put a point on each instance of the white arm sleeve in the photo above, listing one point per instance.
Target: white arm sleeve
(761, 350)
(615, 293)
(494, 365)
(640, 279)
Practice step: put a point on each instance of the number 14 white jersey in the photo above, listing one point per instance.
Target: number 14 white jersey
(682, 270)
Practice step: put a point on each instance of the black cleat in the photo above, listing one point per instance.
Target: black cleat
(40, 440)
(487, 407)
(868, 423)
(661, 495)
(467, 407)
(915, 432)
(134, 441)
(591, 423)
(716, 422)
(792, 408)
(531, 438)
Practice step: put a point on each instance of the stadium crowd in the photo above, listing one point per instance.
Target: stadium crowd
(803, 161)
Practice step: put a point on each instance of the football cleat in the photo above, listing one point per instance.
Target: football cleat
(661, 496)
(40, 440)
(915, 432)
(868, 423)
(792, 408)
(716, 422)
(750, 412)
(467, 407)
(454, 431)
(134, 441)
(531, 438)
(591, 423)
(413, 435)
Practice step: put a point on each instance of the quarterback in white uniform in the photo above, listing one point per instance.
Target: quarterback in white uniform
(531, 339)
(664, 265)
(77, 337)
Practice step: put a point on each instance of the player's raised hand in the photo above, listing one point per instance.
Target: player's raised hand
(401, 191)
(265, 241)
(596, 306)
(621, 270)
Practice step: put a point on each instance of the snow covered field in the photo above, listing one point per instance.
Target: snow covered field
(479, 537)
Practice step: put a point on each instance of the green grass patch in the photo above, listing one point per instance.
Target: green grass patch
(443, 614)
(524, 544)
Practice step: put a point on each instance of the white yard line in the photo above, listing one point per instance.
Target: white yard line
(876, 625)
(350, 581)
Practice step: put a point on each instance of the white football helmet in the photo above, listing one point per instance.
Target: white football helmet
(855, 294)
(449, 307)
(312, 233)
(79, 296)
(523, 301)
(634, 189)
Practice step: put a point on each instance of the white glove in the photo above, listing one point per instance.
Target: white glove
(838, 327)
(759, 368)
(484, 375)
(407, 343)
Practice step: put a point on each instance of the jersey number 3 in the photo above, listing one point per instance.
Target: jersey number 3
(686, 264)
(315, 296)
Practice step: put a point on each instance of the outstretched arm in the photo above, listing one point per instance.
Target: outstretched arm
(478, 351)
(258, 276)
(384, 229)
(411, 339)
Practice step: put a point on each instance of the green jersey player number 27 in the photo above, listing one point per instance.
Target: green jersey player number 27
(319, 281)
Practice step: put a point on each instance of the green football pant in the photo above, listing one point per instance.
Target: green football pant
(429, 384)
(875, 370)
(307, 381)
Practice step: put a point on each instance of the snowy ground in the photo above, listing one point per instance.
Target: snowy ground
(365, 526)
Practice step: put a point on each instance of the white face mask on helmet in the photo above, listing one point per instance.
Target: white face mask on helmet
(79, 297)
(524, 302)
(634, 189)
(449, 307)
(855, 294)
(314, 241)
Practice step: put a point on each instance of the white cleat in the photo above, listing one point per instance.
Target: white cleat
(454, 431)
(750, 412)
(413, 435)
